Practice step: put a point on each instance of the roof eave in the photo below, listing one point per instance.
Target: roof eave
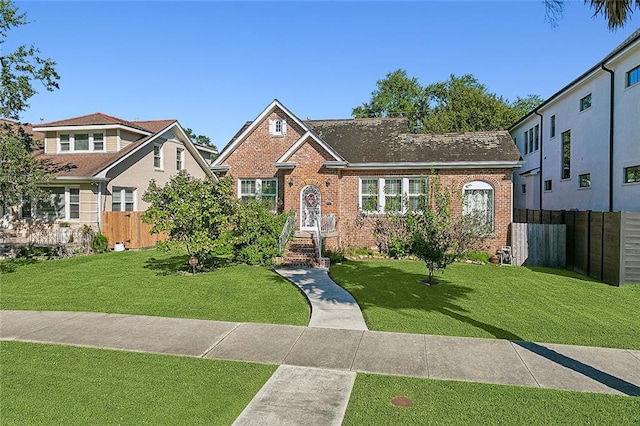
(91, 127)
(439, 165)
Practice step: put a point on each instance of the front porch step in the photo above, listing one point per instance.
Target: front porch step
(301, 251)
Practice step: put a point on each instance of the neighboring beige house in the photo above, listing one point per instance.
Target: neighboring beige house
(102, 163)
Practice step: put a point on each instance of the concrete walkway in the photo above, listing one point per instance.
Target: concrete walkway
(578, 368)
(300, 396)
(331, 305)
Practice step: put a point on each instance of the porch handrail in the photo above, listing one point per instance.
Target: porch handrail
(318, 232)
(328, 223)
(287, 231)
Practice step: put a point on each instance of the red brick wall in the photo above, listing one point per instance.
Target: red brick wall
(255, 158)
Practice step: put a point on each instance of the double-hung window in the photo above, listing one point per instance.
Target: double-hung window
(81, 142)
(265, 190)
(65, 144)
(179, 159)
(157, 156)
(391, 194)
(61, 203)
(122, 199)
(98, 141)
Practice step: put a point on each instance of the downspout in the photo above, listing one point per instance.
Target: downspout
(540, 135)
(100, 206)
(611, 117)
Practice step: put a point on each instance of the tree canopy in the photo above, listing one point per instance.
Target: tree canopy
(20, 67)
(459, 104)
(20, 173)
(201, 139)
(616, 12)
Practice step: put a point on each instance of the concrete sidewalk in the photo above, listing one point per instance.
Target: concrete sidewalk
(331, 305)
(578, 368)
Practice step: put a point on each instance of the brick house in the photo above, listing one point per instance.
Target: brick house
(334, 170)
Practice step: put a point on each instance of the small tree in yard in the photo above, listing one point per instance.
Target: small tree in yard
(197, 215)
(432, 228)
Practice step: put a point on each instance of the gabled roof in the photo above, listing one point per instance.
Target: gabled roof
(97, 165)
(250, 125)
(385, 143)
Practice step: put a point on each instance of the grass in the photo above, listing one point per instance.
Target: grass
(443, 402)
(50, 384)
(515, 303)
(145, 283)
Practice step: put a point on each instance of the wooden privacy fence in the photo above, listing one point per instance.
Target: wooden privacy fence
(605, 246)
(128, 228)
(535, 244)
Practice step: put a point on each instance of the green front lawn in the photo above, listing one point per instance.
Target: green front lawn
(437, 402)
(515, 303)
(50, 384)
(145, 283)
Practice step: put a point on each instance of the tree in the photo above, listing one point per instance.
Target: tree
(432, 228)
(527, 104)
(196, 214)
(616, 12)
(397, 95)
(463, 104)
(201, 139)
(20, 172)
(20, 67)
(460, 104)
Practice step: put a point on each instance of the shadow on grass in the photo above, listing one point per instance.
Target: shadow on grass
(8, 266)
(563, 273)
(395, 289)
(180, 264)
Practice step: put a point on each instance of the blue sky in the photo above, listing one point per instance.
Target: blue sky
(215, 65)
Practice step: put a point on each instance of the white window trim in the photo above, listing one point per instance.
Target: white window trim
(161, 156)
(180, 158)
(482, 185)
(72, 149)
(122, 190)
(67, 205)
(258, 191)
(404, 193)
(272, 127)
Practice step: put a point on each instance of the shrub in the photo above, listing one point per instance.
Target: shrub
(334, 256)
(256, 232)
(100, 243)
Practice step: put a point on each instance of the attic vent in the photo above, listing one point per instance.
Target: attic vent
(277, 127)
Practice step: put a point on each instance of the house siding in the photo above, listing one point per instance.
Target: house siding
(112, 140)
(255, 156)
(589, 144)
(137, 170)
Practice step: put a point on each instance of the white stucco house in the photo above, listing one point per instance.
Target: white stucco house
(581, 147)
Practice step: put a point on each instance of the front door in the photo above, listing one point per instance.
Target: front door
(309, 207)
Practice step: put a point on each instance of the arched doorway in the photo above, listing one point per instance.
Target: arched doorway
(309, 207)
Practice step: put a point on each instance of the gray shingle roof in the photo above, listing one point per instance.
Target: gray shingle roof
(385, 140)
